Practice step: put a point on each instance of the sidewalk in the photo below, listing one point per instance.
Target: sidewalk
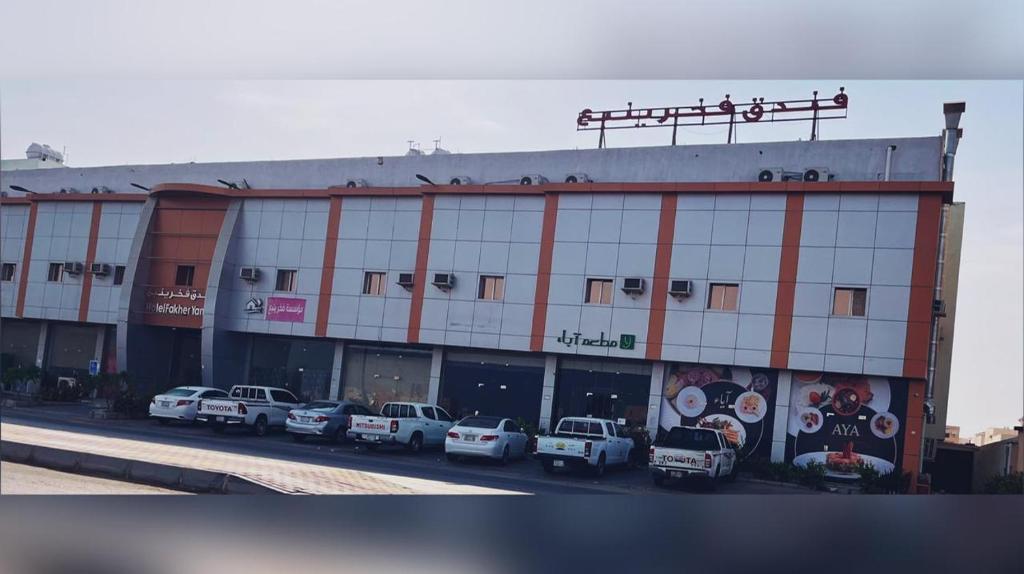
(291, 477)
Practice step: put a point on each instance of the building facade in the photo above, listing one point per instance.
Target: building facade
(675, 288)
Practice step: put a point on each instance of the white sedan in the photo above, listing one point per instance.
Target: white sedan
(489, 437)
(179, 403)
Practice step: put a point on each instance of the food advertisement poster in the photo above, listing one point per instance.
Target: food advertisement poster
(845, 422)
(736, 400)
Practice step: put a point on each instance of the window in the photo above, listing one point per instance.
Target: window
(374, 283)
(118, 274)
(213, 395)
(7, 272)
(186, 274)
(261, 395)
(285, 280)
(610, 429)
(236, 392)
(442, 415)
(510, 427)
(56, 272)
(849, 302)
(599, 291)
(429, 413)
(723, 296)
(492, 287)
(286, 397)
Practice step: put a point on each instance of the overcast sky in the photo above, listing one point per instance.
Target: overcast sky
(119, 122)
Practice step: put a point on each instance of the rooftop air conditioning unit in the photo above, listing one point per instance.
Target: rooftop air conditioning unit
(680, 288)
(355, 183)
(73, 267)
(444, 281)
(100, 269)
(405, 280)
(532, 179)
(460, 180)
(769, 174)
(633, 285)
(101, 189)
(815, 174)
(577, 178)
(251, 274)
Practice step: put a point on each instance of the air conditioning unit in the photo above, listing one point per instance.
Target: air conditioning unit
(73, 267)
(101, 189)
(939, 308)
(815, 174)
(532, 179)
(444, 281)
(769, 174)
(356, 183)
(99, 269)
(633, 285)
(405, 280)
(577, 178)
(251, 274)
(460, 180)
(680, 288)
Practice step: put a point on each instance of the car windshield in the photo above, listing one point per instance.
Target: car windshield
(180, 392)
(480, 422)
(691, 439)
(321, 406)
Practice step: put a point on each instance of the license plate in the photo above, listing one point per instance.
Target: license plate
(220, 419)
(305, 419)
(469, 437)
(372, 437)
(165, 404)
(558, 463)
(675, 474)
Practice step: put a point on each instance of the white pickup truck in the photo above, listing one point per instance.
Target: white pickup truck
(412, 425)
(585, 443)
(256, 407)
(693, 452)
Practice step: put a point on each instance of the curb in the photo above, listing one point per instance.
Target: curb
(164, 475)
(774, 483)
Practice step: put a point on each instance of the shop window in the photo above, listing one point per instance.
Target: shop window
(375, 376)
(185, 276)
(492, 287)
(118, 274)
(56, 273)
(301, 366)
(849, 302)
(7, 272)
(611, 395)
(286, 280)
(599, 291)
(497, 387)
(374, 283)
(723, 296)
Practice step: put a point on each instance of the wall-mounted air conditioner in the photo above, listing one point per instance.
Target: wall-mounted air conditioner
(356, 183)
(815, 174)
(73, 267)
(460, 180)
(770, 174)
(444, 281)
(532, 179)
(577, 178)
(405, 280)
(680, 288)
(251, 274)
(100, 269)
(633, 286)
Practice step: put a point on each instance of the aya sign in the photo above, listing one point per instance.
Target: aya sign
(286, 309)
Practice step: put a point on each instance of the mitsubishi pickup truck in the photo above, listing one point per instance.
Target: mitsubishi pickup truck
(412, 425)
(693, 452)
(585, 443)
(258, 408)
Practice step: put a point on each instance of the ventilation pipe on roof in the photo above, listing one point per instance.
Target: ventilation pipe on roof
(888, 161)
(951, 136)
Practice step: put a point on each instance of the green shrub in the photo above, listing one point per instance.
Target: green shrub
(1006, 484)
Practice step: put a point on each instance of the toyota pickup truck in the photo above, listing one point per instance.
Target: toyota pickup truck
(585, 443)
(258, 408)
(412, 425)
(693, 452)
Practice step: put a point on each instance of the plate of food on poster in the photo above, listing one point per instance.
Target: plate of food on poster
(735, 400)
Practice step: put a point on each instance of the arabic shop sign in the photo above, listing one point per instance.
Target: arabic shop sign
(286, 309)
(175, 302)
(625, 341)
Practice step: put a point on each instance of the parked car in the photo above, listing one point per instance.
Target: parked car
(693, 452)
(585, 443)
(325, 419)
(490, 437)
(179, 403)
(258, 408)
(412, 425)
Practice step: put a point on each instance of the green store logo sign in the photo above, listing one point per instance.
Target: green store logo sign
(626, 342)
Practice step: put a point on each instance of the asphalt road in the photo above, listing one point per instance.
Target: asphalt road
(525, 476)
(22, 479)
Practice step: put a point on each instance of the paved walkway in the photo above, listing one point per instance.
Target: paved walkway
(291, 477)
(23, 479)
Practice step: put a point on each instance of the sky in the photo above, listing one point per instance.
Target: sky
(112, 122)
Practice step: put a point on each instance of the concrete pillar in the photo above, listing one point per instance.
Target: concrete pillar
(434, 388)
(654, 402)
(781, 416)
(548, 392)
(44, 329)
(101, 336)
(336, 370)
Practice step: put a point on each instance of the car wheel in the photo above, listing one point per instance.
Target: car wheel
(340, 435)
(260, 428)
(658, 480)
(731, 477)
(630, 460)
(599, 469)
(416, 442)
(162, 422)
(549, 467)
(504, 456)
(298, 437)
